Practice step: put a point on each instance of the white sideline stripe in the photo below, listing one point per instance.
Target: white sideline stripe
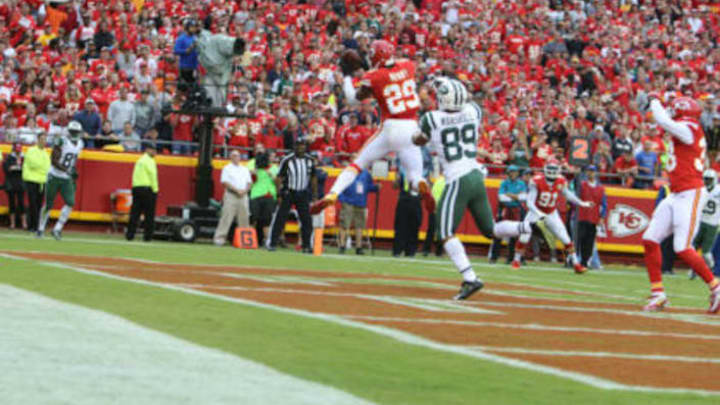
(562, 353)
(56, 352)
(400, 336)
(530, 326)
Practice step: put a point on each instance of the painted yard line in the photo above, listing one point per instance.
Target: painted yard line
(397, 335)
(537, 327)
(275, 279)
(561, 353)
(432, 305)
(106, 359)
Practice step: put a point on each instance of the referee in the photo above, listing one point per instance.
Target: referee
(144, 193)
(296, 175)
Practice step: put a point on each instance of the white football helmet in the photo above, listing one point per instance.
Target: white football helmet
(451, 94)
(75, 129)
(551, 170)
(710, 178)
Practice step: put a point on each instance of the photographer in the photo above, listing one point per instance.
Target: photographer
(263, 192)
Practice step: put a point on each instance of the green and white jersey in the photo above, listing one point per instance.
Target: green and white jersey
(454, 136)
(711, 212)
(68, 157)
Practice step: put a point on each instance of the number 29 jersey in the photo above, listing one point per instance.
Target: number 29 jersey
(547, 193)
(711, 211)
(394, 89)
(453, 136)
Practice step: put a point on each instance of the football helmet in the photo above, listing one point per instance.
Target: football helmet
(451, 94)
(710, 179)
(74, 129)
(552, 170)
(381, 52)
(685, 107)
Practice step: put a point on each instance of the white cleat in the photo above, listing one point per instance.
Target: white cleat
(656, 302)
(714, 301)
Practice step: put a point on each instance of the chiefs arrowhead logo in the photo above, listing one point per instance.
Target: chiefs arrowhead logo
(625, 220)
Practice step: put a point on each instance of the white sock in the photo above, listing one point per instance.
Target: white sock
(64, 215)
(456, 251)
(343, 180)
(44, 216)
(508, 229)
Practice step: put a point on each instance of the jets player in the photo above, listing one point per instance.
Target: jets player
(65, 152)
(709, 220)
(452, 132)
(543, 193)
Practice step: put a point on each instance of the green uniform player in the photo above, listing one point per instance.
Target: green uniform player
(452, 133)
(705, 237)
(61, 178)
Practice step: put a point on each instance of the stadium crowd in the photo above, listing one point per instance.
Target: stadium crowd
(543, 71)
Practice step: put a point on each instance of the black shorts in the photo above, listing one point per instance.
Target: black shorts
(261, 210)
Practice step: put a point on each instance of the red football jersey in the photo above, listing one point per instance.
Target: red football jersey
(547, 194)
(394, 89)
(686, 162)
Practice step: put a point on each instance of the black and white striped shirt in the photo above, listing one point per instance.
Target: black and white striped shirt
(296, 172)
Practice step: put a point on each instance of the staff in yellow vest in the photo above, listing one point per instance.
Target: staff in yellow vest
(144, 193)
(34, 173)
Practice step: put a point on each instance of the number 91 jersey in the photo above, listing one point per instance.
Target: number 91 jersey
(547, 193)
(453, 136)
(395, 90)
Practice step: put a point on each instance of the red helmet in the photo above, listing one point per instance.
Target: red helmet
(685, 107)
(382, 51)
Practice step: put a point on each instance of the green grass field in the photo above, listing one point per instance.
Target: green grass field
(365, 362)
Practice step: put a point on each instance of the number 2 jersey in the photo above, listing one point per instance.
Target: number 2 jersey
(547, 193)
(394, 89)
(453, 136)
(711, 211)
(69, 151)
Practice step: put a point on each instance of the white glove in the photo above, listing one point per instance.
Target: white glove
(586, 204)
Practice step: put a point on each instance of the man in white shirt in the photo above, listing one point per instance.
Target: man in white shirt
(237, 182)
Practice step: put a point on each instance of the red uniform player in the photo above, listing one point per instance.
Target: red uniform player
(392, 84)
(679, 213)
(543, 194)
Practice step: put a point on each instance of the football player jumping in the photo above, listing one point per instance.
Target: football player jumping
(679, 214)
(392, 83)
(542, 197)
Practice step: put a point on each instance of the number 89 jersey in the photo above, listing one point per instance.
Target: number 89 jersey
(547, 193)
(69, 151)
(453, 136)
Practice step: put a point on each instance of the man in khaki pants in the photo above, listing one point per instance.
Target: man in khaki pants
(237, 181)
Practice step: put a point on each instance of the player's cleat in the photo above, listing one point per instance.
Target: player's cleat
(38, 234)
(56, 234)
(468, 288)
(323, 203)
(656, 302)
(714, 301)
(515, 264)
(579, 268)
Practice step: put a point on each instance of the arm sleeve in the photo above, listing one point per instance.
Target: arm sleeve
(153, 177)
(570, 196)
(504, 198)
(531, 197)
(676, 129)
(349, 90)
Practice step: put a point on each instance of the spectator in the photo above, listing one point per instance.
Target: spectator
(144, 114)
(90, 121)
(14, 187)
(713, 133)
(236, 204)
(121, 111)
(622, 144)
(353, 212)
(647, 165)
(511, 195)
(103, 37)
(626, 166)
(590, 217)
(130, 139)
(35, 168)
(185, 50)
(519, 154)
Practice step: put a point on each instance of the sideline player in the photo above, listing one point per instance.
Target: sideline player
(705, 237)
(678, 214)
(60, 178)
(452, 132)
(392, 84)
(542, 197)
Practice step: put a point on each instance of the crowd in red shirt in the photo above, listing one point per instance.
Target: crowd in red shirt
(542, 70)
